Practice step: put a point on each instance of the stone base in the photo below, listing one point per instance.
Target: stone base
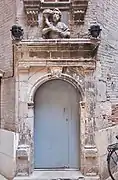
(92, 178)
(49, 175)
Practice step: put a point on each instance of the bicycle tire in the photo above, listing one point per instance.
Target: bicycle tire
(109, 160)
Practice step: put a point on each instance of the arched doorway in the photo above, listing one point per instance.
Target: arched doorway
(57, 126)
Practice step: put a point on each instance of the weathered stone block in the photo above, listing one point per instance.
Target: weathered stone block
(23, 160)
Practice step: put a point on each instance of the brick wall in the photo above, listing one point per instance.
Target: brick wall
(7, 19)
(105, 13)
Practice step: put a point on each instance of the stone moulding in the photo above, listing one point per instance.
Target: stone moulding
(48, 77)
(62, 5)
(57, 52)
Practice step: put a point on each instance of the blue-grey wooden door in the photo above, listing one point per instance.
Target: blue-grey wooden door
(56, 127)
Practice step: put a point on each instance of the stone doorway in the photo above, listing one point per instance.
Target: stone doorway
(57, 126)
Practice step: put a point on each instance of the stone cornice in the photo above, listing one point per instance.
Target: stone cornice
(57, 52)
(61, 41)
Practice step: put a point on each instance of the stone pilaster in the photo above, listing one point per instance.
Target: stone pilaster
(91, 164)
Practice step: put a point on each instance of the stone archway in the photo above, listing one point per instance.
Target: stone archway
(76, 85)
(50, 76)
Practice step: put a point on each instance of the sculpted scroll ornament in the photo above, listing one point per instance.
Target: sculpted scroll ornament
(53, 28)
(55, 71)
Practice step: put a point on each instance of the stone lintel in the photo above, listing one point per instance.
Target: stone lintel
(36, 42)
(87, 66)
(57, 52)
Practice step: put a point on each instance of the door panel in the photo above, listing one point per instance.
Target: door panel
(56, 126)
(74, 137)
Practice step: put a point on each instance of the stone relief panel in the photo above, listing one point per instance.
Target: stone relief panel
(53, 28)
(30, 16)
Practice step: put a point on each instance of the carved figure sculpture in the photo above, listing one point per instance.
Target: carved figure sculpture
(53, 28)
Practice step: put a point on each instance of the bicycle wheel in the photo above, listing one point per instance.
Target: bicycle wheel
(112, 160)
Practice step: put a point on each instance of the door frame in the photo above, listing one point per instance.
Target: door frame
(77, 85)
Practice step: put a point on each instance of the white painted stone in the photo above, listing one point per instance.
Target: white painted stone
(23, 77)
(8, 145)
(2, 177)
(101, 91)
(23, 89)
(23, 110)
(92, 178)
(35, 74)
(49, 175)
(102, 139)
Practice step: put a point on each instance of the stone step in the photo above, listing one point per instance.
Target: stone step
(53, 175)
(92, 178)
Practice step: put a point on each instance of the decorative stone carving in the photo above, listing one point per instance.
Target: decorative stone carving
(79, 10)
(23, 160)
(32, 10)
(55, 71)
(53, 28)
(77, 73)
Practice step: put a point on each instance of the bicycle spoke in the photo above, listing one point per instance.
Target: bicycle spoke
(116, 155)
(114, 161)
